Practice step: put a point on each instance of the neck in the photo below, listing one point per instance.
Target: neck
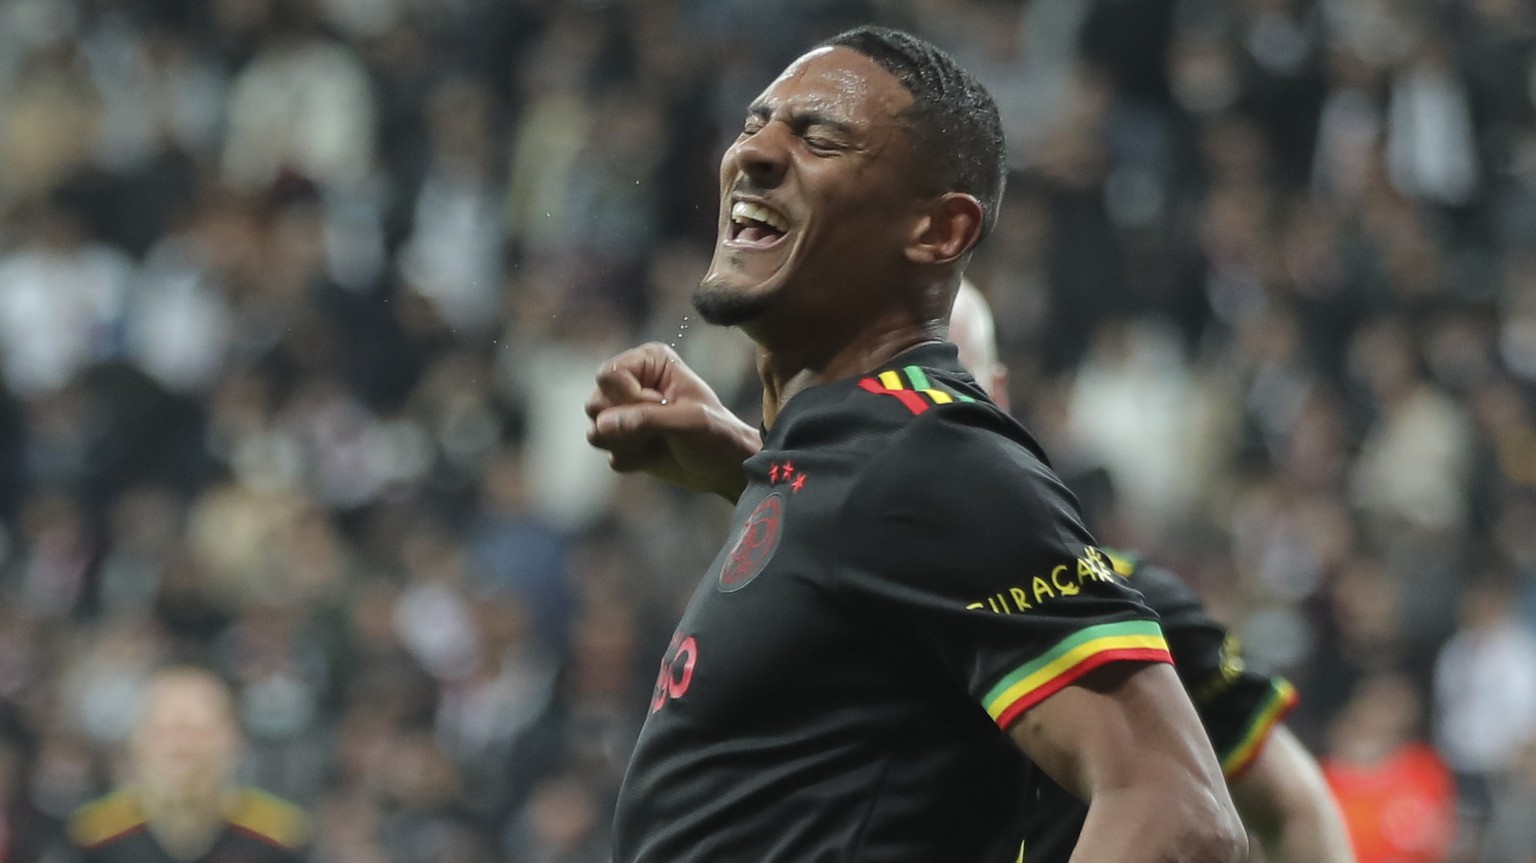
(810, 358)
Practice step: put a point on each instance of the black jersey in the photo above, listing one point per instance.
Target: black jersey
(258, 829)
(905, 576)
(1237, 705)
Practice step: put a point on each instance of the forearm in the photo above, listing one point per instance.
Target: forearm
(1126, 738)
(1285, 801)
(1159, 822)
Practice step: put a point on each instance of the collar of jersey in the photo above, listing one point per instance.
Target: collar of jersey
(942, 356)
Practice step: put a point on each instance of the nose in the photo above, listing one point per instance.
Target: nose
(763, 156)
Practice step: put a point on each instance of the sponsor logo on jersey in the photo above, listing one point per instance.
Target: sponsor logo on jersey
(1063, 580)
(676, 670)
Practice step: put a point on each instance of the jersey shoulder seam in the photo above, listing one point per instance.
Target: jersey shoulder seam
(914, 389)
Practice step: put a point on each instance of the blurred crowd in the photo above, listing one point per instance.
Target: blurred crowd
(300, 301)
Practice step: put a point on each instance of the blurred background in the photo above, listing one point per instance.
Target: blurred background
(300, 301)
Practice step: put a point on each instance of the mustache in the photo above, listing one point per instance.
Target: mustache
(746, 186)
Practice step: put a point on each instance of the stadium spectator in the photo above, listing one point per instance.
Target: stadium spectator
(1397, 796)
(1485, 700)
(182, 801)
(1511, 834)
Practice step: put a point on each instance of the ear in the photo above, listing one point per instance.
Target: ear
(948, 228)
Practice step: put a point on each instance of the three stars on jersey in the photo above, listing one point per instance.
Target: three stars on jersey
(785, 472)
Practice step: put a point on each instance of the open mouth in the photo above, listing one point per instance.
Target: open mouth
(755, 226)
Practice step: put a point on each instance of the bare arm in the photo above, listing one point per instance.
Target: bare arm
(1286, 803)
(1126, 739)
(652, 413)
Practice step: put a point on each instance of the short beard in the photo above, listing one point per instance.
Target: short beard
(724, 306)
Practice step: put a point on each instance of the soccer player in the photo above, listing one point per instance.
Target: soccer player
(184, 806)
(908, 603)
(1278, 787)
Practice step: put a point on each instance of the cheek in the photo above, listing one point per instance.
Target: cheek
(868, 218)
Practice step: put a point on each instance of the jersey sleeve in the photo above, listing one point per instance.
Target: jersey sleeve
(1237, 705)
(967, 542)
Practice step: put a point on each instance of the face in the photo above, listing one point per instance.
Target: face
(186, 740)
(816, 194)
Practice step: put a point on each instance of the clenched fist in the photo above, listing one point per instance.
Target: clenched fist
(652, 413)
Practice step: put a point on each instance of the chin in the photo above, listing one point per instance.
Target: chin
(725, 304)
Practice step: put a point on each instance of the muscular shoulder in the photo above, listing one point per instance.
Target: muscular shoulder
(962, 491)
(967, 457)
(270, 819)
(106, 819)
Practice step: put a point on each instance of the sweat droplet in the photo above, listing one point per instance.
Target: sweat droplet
(663, 401)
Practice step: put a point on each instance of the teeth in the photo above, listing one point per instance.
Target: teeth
(743, 212)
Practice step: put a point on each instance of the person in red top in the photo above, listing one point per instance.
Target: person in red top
(1397, 796)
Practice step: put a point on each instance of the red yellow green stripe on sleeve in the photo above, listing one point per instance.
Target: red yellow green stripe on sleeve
(1071, 658)
(1282, 697)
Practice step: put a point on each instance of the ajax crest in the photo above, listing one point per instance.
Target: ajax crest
(753, 544)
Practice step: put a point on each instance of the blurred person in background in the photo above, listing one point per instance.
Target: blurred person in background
(1485, 700)
(560, 825)
(1511, 833)
(303, 103)
(1397, 795)
(26, 834)
(1276, 783)
(62, 298)
(183, 802)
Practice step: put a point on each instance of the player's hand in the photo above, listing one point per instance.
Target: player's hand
(652, 413)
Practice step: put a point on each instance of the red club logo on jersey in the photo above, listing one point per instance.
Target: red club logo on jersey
(753, 545)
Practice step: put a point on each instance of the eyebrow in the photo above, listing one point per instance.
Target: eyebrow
(801, 118)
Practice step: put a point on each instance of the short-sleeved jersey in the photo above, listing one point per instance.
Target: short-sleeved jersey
(905, 576)
(259, 828)
(1237, 706)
